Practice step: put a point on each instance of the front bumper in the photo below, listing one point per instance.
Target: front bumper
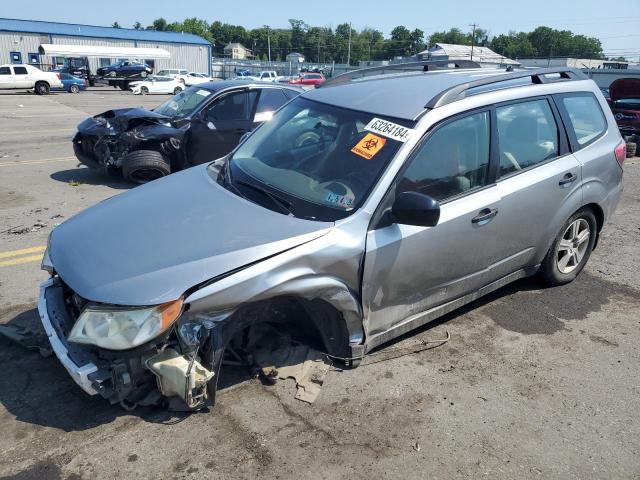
(80, 373)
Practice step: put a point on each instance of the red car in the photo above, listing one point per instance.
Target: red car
(309, 79)
(625, 104)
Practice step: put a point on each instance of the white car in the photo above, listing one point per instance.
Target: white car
(194, 78)
(157, 84)
(27, 77)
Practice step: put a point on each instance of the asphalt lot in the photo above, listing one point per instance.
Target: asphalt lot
(534, 383)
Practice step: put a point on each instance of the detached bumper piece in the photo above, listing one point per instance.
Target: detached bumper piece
(168, 372)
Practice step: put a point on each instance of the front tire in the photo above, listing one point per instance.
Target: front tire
(571, 249)
(177, 90)
(144, 90)
(42, 88)
(143, 166)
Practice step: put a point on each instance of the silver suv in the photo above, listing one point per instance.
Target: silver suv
(360, 211)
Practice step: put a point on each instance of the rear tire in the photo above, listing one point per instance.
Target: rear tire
(143, 166)
(74, 89)
(571, 249)
(42, 88)
(177, 90)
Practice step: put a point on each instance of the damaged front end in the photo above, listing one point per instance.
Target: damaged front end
(106, 139)
(177, 368)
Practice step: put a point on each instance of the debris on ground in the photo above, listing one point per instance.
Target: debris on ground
(27, 338)
(22, 229)
(75, 183)
(308, 367)
(416, 447)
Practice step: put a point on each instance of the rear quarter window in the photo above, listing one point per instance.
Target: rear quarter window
(585, 116)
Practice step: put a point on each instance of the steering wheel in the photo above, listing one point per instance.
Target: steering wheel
(509, 156)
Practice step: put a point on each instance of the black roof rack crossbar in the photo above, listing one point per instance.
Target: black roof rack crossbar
(538, 76)
(427, 65)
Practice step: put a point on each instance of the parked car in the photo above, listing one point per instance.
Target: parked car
(125, 69)
(625, 104)
(157, 84)
(243, 73)
(26, 77)
(173, 72)
(72, 84)
(314, 79)
(197, 125)
(194, 78)
(264, 76)
(359, 212)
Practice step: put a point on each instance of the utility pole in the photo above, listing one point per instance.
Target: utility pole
(473, 39)
(349, 48)
(269, 41)
(318, 49)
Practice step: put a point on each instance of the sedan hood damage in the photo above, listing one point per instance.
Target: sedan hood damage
(149, 245)
(114, 122)
(625, 89)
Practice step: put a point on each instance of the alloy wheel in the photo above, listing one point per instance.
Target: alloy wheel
(573, 246)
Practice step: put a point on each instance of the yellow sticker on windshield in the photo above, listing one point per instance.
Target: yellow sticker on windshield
(369, 146)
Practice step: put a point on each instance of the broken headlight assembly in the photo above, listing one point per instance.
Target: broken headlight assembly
(47, 264)
(119, 328)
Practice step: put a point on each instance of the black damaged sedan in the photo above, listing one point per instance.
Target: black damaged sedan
(200, 124)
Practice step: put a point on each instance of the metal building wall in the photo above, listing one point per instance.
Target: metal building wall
(24, 43)
(194, 58)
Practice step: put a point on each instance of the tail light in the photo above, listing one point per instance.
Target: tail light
(58, 75)
(85, 82)
(621, 152)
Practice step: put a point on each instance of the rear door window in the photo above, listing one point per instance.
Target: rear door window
(586, 117)
(271, 99)
(20, 70)
(527, 134)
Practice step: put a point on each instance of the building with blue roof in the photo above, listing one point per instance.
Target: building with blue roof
(20, 41)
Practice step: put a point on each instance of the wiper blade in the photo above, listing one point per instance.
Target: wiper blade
(284, 205)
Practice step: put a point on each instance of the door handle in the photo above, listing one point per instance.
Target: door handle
(485, 215)
(567, 179)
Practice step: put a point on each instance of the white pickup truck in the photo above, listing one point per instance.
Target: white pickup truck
(27, 77)
(264, 76)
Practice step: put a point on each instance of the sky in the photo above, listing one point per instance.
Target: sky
(615, 23)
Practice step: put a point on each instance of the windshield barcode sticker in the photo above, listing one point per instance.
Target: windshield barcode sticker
(389, 129)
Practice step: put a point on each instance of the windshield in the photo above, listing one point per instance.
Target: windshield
(184, 103)
(319, 156)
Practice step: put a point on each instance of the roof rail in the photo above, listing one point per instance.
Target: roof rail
(427, 65)
(538, 76)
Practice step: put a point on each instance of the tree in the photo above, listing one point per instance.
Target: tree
(159, 24)
(454, 36)
(115, 25)
(513, 45)
(137, 26)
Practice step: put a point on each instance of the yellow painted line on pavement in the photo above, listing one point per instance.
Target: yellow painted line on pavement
(18, 261)
(22, 251)
(35, 162)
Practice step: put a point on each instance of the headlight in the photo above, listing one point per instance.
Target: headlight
(123, 328)
(46, 263)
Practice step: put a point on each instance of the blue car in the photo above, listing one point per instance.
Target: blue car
(72, 84)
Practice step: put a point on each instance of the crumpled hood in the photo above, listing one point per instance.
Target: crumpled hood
(117, 121)
(149, 245)
(625, 88)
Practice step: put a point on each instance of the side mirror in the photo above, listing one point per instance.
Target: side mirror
(413, 208)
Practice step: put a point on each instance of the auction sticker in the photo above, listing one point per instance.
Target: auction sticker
(389, 129)
(369, 146)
